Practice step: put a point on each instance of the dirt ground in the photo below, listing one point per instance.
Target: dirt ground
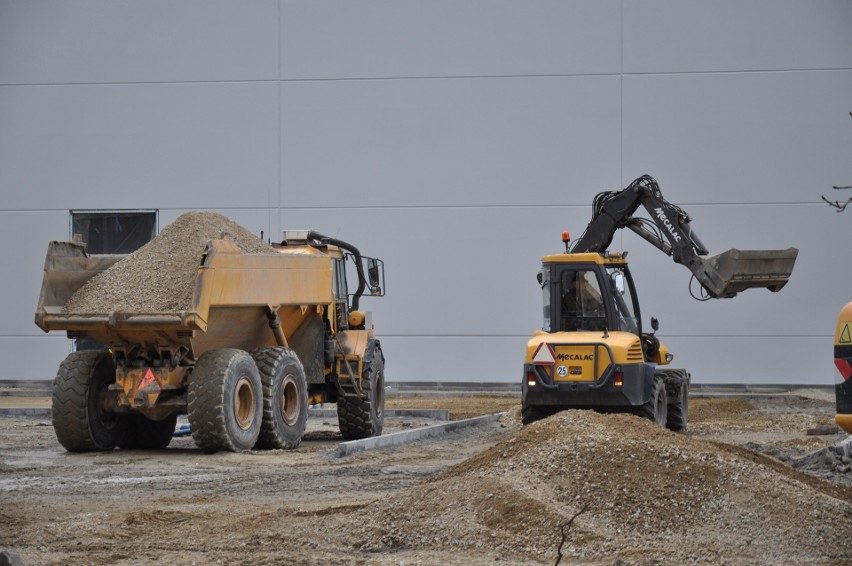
(589, 488)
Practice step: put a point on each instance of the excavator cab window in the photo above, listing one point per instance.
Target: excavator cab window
(625, 311)
(544, 280)
(581, 301)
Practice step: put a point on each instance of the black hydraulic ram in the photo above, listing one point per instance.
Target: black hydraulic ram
(722, 275)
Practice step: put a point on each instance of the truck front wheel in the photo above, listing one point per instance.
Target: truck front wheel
(285, 398)
(362, 417)
(81, 419)
(225, 401)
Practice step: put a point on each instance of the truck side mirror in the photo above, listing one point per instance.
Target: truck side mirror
(655, 324)
(375, 268)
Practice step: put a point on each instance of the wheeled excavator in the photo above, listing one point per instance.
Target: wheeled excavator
(592, 351)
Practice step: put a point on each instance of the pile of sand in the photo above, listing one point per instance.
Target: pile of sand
(160, 276)
(678, 499)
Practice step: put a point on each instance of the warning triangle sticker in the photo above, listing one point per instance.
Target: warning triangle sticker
(544, 355)
(845, 335)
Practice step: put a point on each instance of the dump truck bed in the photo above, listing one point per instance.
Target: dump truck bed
(231, 290)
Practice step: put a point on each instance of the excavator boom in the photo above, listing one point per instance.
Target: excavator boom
(669, 230)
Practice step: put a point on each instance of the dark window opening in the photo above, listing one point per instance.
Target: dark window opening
(117, 232)
(111, 232)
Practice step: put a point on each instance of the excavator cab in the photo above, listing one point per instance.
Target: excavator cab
(587, 296)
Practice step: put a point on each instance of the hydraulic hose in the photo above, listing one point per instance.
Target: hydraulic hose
(358, 266)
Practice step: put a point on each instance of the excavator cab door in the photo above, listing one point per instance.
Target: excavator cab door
(581, 304)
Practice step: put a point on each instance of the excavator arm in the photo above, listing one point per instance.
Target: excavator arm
(669, 230)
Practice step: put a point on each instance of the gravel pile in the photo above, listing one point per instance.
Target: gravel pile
(159, 278)
(635, 486)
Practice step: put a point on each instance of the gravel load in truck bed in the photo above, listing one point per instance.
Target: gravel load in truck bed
(159, 277)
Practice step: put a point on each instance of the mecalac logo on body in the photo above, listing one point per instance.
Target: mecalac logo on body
(580, 357)
(662, 216)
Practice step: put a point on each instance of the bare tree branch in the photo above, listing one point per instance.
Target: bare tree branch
(564, 528)
(836, 204)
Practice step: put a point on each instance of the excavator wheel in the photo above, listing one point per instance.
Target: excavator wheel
(532, 413)
(677, 390)
(656, 408)
(362, 417)
(679, 412)
(80, 420)
(285, 398)
(141, 433)
(225, 403)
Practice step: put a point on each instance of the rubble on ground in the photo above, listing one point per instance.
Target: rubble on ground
(630, 485)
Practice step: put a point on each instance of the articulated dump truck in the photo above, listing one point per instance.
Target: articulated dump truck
(264, 336)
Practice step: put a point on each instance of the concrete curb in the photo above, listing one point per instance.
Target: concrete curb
(23, 392)
(434, 414)
(26, 412)
(742, 395)
(407, 436)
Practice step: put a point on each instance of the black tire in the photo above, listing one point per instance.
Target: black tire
(79, 419)
(679, 412)
(225, 403)
(141, 433)
(532, 413)
(285, 398)
(656, 408)
(679, 405)
(364, 417)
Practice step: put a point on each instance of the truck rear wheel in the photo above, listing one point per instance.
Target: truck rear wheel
(362, 417)
(285, 398)
(80, 419)
(141, 433)
(656, 408)
(225, 401)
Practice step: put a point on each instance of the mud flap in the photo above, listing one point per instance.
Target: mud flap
(728, 273)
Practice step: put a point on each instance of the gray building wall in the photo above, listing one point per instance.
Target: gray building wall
(455, 140)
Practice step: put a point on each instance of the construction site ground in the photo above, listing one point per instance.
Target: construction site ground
(747, 484)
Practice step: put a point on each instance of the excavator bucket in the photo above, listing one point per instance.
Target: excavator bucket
(728, 273)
